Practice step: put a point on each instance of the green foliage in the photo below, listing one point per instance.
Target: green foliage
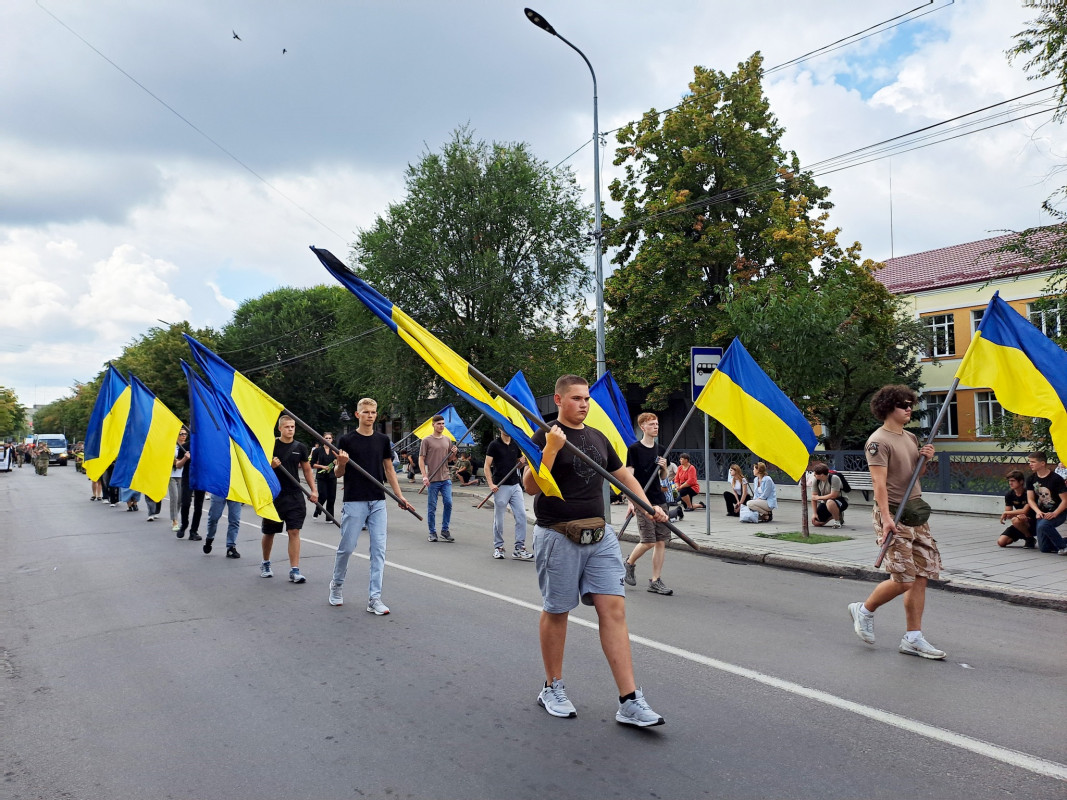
(69, 415)
(484, 251)
(12, 415)
(830, 337)
(708, 195)
(1043, 43)
(811, 538)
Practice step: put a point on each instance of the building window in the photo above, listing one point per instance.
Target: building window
(989, 411)
(976, 319)
(1045, 317)
(934, 402)
(942, 329)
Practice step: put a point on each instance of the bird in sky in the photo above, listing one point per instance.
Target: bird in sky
(235, 36)
(284, 51)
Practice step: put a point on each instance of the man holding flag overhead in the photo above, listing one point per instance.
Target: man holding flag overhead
(578, 556)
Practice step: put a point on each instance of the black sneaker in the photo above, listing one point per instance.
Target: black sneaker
(432, 537)
(1030, 542)
(195, 537)
(231, 552)
(207, 545)
(446, 537)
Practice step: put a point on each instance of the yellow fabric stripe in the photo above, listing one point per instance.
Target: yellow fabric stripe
(111, 430)
(758, 428)
(248, 486)
(259, 409)
(152, 475)
(599, 420)
(426, 428)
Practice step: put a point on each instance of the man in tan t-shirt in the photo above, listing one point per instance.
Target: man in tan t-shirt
(433, 455)
(912, 557)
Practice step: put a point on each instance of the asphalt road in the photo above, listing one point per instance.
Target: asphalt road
(134, 666)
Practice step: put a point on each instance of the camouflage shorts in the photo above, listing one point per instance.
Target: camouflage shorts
(912, 554)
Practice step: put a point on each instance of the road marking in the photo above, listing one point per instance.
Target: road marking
(1015, 758)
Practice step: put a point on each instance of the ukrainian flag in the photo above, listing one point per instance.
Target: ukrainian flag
(454, 426)
(1025, 369)
(743, 398)
(609, 415)
(445, 362)
(226, 458)
(258, 409)
(520, 390)
(106, 423)
(146, 455)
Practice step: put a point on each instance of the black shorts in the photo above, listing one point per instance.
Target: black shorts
(823, 513)
(292, 509)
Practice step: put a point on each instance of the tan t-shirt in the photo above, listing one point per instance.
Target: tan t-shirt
(899, 452)
(434, 453)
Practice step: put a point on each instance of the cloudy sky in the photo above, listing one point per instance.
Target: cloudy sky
(153, 167)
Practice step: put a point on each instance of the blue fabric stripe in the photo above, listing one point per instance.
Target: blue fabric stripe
(380, 305)
(142, 402)
(110, 388)
(608, 396)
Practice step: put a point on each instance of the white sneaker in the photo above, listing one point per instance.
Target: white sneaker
(833, 523)
(376, 606)
(922, 648)
(553, 699)
(638, 713)
(335, 595)
(498, 552)
(862, 624)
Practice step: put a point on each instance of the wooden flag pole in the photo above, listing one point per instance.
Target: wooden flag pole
(510, 473)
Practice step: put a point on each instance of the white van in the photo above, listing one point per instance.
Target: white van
(57, 447)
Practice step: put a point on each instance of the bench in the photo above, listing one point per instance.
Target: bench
(858, 480)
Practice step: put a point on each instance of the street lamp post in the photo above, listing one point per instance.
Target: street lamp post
(542, 23)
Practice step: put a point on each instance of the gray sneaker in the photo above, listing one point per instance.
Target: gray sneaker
(631, 573)
(637, 712)
(376, 606)
(862, 624)
(522, 554)
(659, 587)
(922, 648)
(335, 595)
(553, 699)
(265, 571)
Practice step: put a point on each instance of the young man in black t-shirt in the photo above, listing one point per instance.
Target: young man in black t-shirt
(592, 572)
(1046, 493)
(1017, 510)
(644, 458)
(291, 457)
(502, 458)
(363, 502)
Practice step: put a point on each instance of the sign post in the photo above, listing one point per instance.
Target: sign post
(703, 361)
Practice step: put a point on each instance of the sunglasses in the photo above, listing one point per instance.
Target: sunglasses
(905, 406)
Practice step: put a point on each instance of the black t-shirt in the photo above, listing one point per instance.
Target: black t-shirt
(581, 487)
(1015, 502)
(291, 455)
(505, 456)
(643, 461)
(1046, 490)
(370, 452)
(182, 450)
(323, 455)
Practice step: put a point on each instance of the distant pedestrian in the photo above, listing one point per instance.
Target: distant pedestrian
(193, 498)
(912, 558)
(40, 459)
(434, 453)
(323, 462)
(645, 458)
(503, 460)
(290, 456)
(174, 488)
(233, 524)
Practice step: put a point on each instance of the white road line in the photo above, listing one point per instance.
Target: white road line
(1015, 758)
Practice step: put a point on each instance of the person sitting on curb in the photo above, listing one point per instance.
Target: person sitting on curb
(827, 501)
(1017, 510)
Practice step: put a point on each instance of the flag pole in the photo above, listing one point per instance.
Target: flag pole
(407, 506)
(458, 441)
(918, 469)
(535, 419)
(655, 474)
(307, 494)
(510, 473)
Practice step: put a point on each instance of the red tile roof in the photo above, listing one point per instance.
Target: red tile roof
(960, 264)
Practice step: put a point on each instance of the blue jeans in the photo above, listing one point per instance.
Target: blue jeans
(509, 496)
(354, 516)
(233, 518)
(445, 490)
(1048, 538)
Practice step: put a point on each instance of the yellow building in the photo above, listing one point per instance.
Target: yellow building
(948, 290)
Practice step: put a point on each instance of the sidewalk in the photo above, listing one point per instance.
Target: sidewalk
(972, 561)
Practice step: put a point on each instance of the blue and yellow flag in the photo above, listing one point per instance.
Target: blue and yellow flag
(446, 363)
(454, 426)
(226, 458)
(519, 389)
(107, 423)
(609, 414)
(146, 455)
(1025, 369)
(743, 398)
(258, 409)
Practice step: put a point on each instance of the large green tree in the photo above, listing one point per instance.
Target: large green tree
(698, 190)
(829, 337)
(12, 414)
(486, 251)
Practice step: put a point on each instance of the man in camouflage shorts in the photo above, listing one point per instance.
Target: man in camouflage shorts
(912, 558)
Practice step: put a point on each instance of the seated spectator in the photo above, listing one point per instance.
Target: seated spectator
(1046, 492)
(1017, 509)
(764, 494)
(686, 483)
(827, 498)
(737, 495)
(465, 471)
(409, 465)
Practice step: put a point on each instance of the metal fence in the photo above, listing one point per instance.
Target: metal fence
(950, 472)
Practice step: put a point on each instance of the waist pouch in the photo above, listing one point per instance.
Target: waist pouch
(581, 531)
(916, 512)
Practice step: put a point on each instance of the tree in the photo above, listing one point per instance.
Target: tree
(830, 338)
(698, 191)
(12, 414)
(485, 251)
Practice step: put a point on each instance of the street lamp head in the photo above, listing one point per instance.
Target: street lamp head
(539, 21)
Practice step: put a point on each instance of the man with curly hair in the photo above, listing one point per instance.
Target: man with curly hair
(912, 558)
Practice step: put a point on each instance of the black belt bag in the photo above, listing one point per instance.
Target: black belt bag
(581, 531)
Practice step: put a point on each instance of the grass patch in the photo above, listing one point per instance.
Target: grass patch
(797, 536)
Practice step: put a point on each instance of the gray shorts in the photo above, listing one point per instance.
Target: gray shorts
(569, 572)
